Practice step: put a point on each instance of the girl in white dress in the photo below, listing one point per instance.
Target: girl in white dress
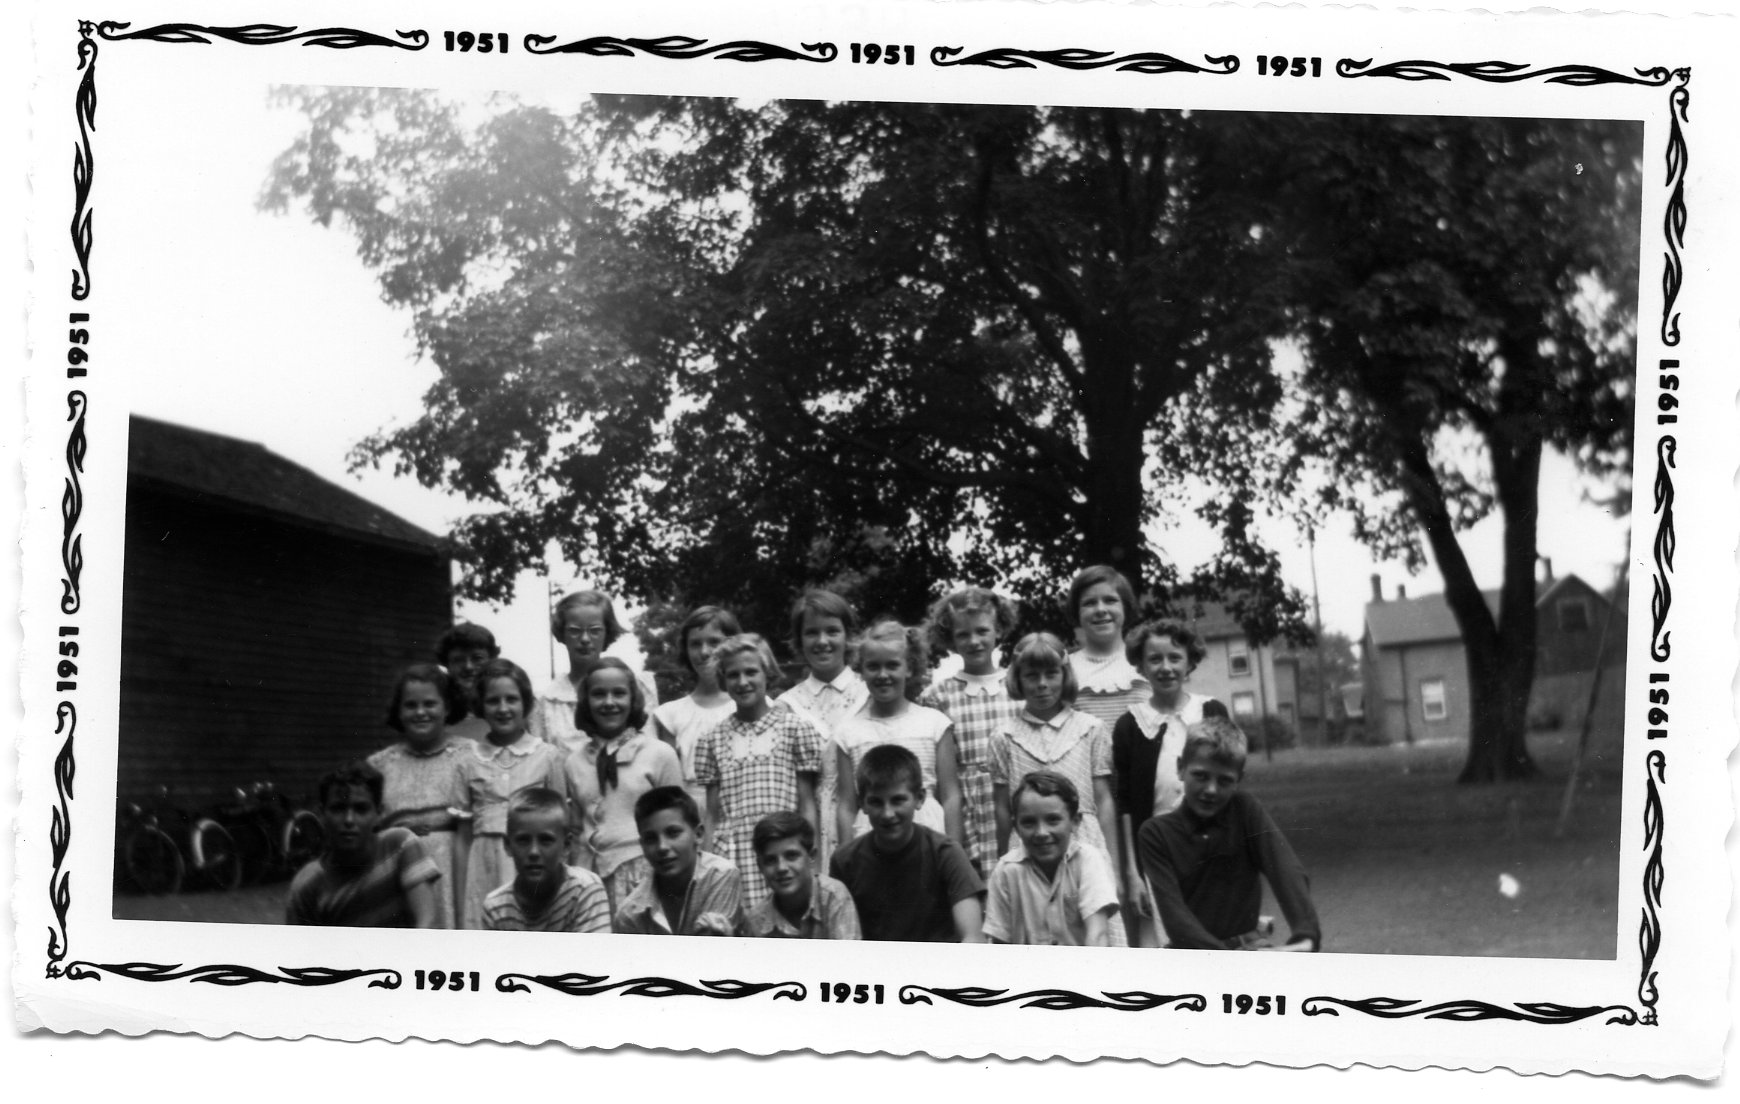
(822, 627)
(681, 722)
(887, 657)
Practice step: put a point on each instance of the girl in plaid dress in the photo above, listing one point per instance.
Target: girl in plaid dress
(757, 761)
(972, 621)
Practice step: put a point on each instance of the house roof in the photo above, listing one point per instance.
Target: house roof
(1210, 620)
(213, 468)
(1426, 619)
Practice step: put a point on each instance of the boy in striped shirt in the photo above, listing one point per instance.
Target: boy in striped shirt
(546, 893)
(366, 879)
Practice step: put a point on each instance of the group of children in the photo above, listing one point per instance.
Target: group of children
(1079, 797)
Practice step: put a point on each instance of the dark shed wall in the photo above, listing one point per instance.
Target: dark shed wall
(252, 649)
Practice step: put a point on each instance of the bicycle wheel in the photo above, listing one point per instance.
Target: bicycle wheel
(152, 861)
(216, 857)
(304, 839)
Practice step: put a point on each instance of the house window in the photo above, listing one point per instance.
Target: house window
(1238, 658)
(1244, 705)
(1432, 704)
(1573, 615)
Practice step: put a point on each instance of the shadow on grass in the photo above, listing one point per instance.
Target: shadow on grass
(1405, 861)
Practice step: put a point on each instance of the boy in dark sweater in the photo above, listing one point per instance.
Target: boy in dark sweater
(1204, 860)
(909, 882)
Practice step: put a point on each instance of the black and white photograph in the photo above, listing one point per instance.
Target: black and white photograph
(1125, 500)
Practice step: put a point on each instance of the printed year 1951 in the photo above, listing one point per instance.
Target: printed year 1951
(1244, 1004)
(869, 53)
(840, 992)
(454, 981)
(1280, 65)
(466, 42)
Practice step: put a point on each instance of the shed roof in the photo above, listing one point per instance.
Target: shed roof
(214, 468)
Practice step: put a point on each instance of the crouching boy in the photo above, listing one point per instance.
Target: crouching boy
(546, 894)
(804, 903)
(1204, 860)
(690, 892)
(908, 881)
(366, 879)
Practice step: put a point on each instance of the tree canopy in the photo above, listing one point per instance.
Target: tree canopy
(802, 338)
(717, 350)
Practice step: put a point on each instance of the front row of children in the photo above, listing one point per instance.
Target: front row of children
(899, 881)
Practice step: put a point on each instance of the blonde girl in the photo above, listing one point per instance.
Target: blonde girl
(759, 760)
(887, 656)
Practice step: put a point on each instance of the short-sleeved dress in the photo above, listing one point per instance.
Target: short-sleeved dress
(1074, 745)
(827, 705)
(755, 765)
(423, 791)
(979, 706)
(491, 773)
(687, 722)
(918, 729)
(1106, 689)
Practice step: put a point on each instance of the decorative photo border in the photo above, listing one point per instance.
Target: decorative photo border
(68, 959)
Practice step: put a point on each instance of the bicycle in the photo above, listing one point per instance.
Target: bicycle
(146, 856)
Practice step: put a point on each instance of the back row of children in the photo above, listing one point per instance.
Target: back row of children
(1103, 733)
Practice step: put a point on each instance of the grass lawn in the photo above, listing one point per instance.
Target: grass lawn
(1402, 860)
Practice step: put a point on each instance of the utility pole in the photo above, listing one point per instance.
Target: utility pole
(550, 619)
(1317, 617)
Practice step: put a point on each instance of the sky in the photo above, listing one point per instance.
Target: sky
(268, 328)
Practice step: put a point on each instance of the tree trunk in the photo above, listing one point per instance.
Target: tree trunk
(1112, 519)
(1500, 651)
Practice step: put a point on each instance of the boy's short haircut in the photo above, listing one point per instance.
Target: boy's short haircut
(1048, 784)
(660, 798)
(465, 637)
(782, 825)
(914, 649)
(699, 618)
(537, 799)
(435, 675)
(1039, 650)
(583, 718)
(941, 619)
(505, 669)
(357, 772)
(1094, 576)
(733, 646)
(822, 603)
(1136, 640)
(886, 766)
(1219, 739)
(590, 599)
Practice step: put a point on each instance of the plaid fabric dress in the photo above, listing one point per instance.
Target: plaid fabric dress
(979, 708)
(755, 764)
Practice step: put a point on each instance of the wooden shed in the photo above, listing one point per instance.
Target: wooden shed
(264, 615)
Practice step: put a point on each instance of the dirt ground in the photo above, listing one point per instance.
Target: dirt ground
(1402, 860)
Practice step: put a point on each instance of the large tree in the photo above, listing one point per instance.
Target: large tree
(714, 349)
(1464, 296)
